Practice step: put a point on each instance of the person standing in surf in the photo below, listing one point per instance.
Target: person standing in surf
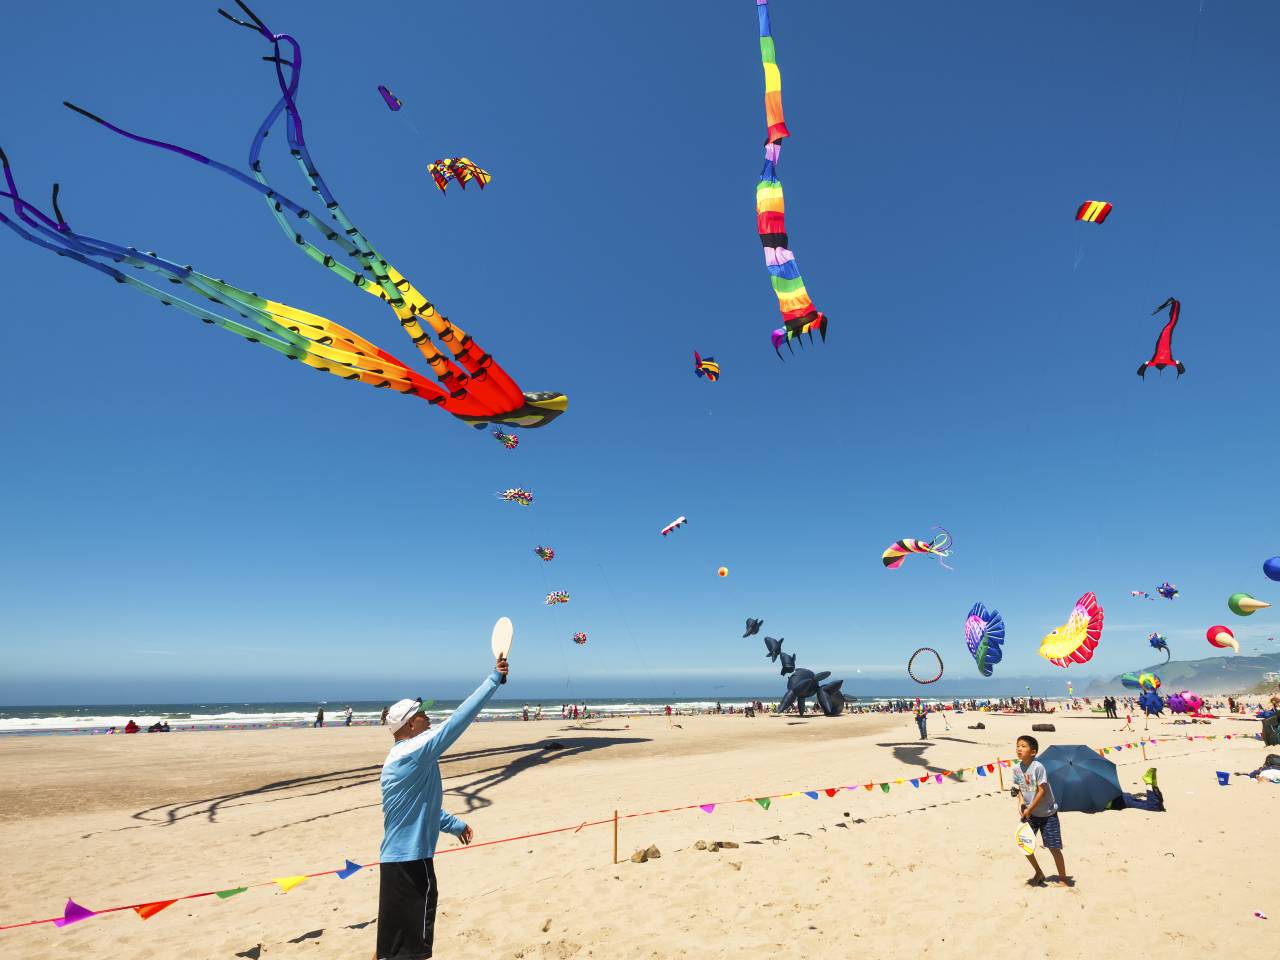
(413, 820)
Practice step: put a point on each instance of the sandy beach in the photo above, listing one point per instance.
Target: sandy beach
(919, 870)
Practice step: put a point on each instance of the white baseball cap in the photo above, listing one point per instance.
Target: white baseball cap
(401, 712)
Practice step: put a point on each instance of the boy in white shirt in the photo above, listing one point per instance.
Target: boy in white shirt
(1038, 807)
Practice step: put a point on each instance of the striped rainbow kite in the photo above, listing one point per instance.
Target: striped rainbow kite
(799, 315)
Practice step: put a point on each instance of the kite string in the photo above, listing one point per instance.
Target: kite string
(653, 683)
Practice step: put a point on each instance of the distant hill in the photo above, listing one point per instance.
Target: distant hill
(1210, 675)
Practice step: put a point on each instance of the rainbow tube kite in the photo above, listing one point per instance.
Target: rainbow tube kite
(799, 315)
(1075, 640)
(1094, 211)
(471, 385)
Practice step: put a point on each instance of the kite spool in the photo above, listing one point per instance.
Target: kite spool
(925, 676)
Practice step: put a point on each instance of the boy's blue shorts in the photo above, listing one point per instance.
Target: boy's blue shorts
(1050, 830)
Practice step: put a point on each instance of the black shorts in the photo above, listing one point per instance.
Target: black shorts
(406, 910)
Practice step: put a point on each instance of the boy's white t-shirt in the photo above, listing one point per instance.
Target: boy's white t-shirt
(1028, 780)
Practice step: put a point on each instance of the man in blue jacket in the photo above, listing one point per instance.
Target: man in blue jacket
(412, 819)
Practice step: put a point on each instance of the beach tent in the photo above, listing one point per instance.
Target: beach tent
(1082, 780)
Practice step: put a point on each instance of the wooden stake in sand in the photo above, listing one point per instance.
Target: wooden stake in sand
(615, 837)
(1143, 744)
(1000, 770)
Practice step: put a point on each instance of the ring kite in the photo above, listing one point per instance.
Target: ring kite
(517, 495)
(471, 385)
(459, 169)
(799, 315)
(983, 635)
(545, 554)
(1163, 355)
(939, 546)
(924, 678)
(579, 638)
(705, 367)
(673, 525)
(1075, 640)
(1159, 642)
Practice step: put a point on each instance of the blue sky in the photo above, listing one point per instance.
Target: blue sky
(183, 512)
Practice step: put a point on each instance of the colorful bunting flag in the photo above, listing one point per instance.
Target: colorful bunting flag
(707, 807)
(224, 894)
(869, 786)
(348, 870)
(982, 771)
(288, 883)
(148, 910)
(73, 913)
(991, 768)
(884, 787)
(937, 778)
(811, 794)
(763, 801)
(831, 791)
(916, 783)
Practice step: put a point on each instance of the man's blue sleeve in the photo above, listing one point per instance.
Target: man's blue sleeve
(451, 824)
(461, 718)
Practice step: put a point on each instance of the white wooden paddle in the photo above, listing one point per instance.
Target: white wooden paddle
(500, 642)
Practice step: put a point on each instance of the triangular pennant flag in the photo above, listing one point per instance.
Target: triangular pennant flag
(224, 894)
(348, 870)
(959, 774)
(288, 883)
(763, 801)
(916, 783)
(831, 791)
(707, 807)
(788, 796)
(991, 768)
(148, 910)
(1105, 750)
(982, 771)
(869, 787)
(899, 781)
(73, 913)
(811, 794)
(884, 787)
(937, 778)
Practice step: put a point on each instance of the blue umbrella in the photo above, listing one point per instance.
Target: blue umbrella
(1082, 780)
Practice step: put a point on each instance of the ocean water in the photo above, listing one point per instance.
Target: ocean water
(100, 718)
(97, 719)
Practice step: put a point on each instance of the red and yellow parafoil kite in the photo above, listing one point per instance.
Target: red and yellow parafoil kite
(1075, 640)
(1094, 211)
